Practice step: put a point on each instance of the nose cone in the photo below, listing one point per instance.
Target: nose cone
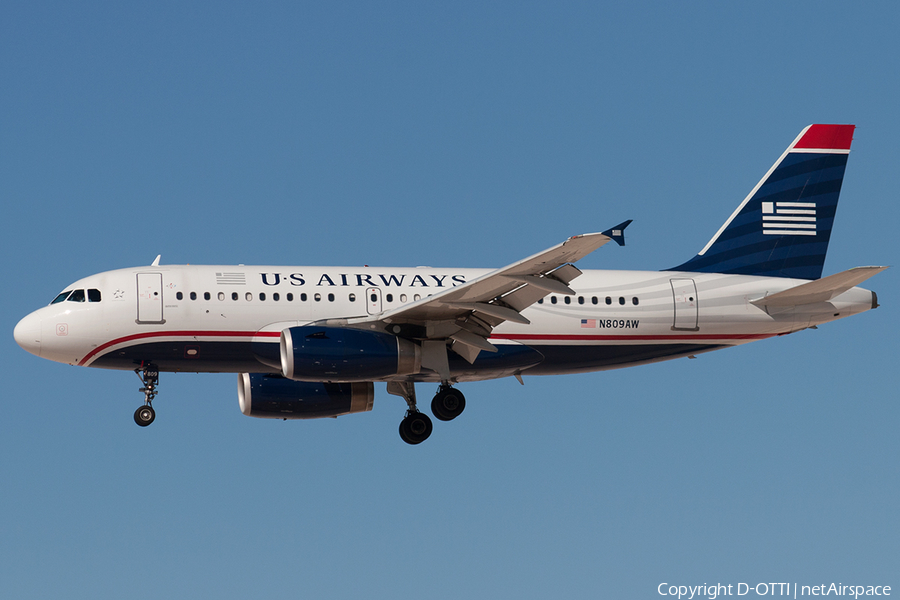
(28, 334)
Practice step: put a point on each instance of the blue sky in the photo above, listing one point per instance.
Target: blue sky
(452, 134)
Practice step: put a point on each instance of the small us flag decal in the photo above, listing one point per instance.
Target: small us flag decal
(231, 278)
(589, 323)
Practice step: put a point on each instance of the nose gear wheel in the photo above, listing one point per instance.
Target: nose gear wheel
(144, 415)
(149, 376)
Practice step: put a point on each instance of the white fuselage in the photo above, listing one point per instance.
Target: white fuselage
(229, 318)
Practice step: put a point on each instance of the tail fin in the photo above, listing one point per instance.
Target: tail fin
(782, 228)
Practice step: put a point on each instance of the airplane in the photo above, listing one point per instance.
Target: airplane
(310, 342)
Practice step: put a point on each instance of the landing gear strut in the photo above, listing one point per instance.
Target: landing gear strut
(415, 426)
(448, 403)
(149, 376)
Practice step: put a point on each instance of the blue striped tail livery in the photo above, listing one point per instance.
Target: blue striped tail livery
(782, 227)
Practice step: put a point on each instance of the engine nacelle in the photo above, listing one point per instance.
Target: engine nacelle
(273, 397)
(311, 353)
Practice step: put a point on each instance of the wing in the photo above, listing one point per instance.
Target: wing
(465, 315)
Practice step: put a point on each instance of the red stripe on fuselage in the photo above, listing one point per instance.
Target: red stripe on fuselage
(519, 337)
(642, 338)
(152, 334)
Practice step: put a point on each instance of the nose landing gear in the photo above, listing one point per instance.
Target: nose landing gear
(149, 375)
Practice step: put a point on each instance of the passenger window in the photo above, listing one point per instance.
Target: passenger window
(61, 297)
(374, 297)
(331, 297)
(276, 297)
(541, 301)
(262, 296)
(93, 295)
(622, 300)
(634, 301)
(77, 296)
(303, 297)
(248, 296)
(317, 297)
(352, 297)
(221, 295)
(206, 295)
(580, 299)
(193, 295)
(552, 299)
(608, 300)
(290, 297)
(594, 300)
(178, 296)
(402, 297)
(234, 295)
(389, 297)
(417, 297)
(567, 300)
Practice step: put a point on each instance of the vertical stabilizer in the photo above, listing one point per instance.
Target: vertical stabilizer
(782, 227)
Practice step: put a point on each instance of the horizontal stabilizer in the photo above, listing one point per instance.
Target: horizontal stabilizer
(617, 233)
(821, 290)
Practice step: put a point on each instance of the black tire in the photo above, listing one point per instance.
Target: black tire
(144, 415)
(415, 428)
(448, 404)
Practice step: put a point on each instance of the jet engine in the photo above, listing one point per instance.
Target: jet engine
(274, 397)
(338, 354)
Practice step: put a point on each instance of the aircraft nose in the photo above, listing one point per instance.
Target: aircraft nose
(28, 334)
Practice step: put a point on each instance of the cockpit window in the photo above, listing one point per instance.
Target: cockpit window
(93, 295)
(61, 297)
(77, 296)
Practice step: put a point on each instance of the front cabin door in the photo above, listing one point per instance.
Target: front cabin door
(149, 298)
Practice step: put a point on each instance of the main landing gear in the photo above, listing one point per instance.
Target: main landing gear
(448, 403)
(149, 376)
(415, 427)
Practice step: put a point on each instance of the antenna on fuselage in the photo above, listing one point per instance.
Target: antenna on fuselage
(155, 262)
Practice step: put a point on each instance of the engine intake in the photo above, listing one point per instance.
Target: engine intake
(339, 354)
(273, 397)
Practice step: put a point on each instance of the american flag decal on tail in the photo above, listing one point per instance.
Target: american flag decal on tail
(789, 218)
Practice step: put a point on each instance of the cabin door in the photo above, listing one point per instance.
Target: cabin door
(149, 298)
(684, 292)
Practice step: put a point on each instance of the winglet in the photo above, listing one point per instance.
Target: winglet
(617, 233)
(155, 262)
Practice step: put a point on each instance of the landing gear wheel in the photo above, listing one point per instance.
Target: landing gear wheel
(144, 415)
(149, 376)
(448, 404)
(415, 428)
